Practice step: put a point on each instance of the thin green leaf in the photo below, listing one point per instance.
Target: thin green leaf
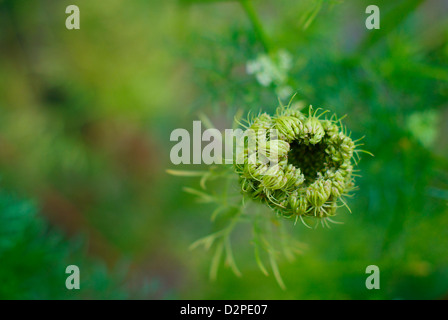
(276, 271)
(186, 173)
(204, 179)
(230, 259)
(312, 15)
(206, 241)
(216, 260)
(216, 212)
(259, 262)
(206, 121)
(203, 197)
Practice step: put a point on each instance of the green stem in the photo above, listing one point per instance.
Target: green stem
(256, 24)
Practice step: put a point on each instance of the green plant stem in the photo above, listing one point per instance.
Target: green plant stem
(256, 24)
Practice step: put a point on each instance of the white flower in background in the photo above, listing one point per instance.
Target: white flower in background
(272, 70)
(284, 92)
(285, 60)
(423, 126)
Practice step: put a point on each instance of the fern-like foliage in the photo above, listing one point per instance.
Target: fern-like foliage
(33, 259)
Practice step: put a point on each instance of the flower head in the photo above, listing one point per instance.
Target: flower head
(310, 163)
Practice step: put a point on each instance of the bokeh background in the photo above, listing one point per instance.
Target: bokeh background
(85, 123)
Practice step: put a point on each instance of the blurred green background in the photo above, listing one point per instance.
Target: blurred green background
(85, 123)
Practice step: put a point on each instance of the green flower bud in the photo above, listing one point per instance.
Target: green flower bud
(311, 164)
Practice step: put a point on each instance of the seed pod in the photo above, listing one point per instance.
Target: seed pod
(276, 149)
(285, 127)
(273, 178)
(313, 131)
(262, 122)
(298, 203)
(294, 176)
(318, 192)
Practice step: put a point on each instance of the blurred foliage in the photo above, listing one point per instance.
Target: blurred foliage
(85, 119)
(34, 259)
